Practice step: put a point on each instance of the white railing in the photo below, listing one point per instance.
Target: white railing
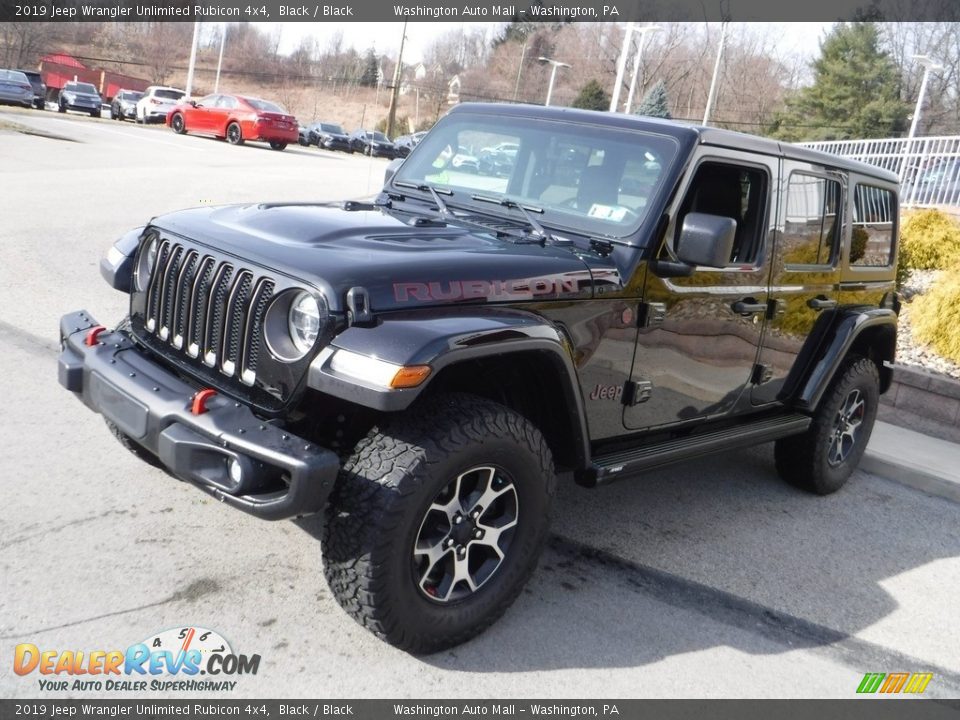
(929, 167)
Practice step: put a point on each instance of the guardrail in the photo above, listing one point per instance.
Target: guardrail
(929, 167)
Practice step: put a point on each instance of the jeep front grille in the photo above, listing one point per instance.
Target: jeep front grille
(208, 309)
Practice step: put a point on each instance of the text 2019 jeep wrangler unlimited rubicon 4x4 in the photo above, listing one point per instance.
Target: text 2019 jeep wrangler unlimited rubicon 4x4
(627, 293)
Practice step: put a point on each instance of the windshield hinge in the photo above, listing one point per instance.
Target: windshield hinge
(602, 247)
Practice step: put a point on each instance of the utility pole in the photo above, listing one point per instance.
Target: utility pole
(193, 58)
(223, 41)
(523, 55)
(392, 115)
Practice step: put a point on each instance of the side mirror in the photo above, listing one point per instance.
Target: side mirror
(706, 240)
(391, 170)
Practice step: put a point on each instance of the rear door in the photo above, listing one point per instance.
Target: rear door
(804, 283)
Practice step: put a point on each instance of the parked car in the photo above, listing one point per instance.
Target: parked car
(156, 103)
(406, 143)
(15, 88)
(372, 142)
(124, 105)
(80, 96)
(39, 88)
(237, 118)
(425, 369)
(939, 184)
(329, 136)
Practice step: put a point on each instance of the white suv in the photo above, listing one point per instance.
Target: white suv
(156, 102)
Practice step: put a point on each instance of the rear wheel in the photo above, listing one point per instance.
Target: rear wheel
(62, 108)
(176, 122)
(277, 145)
(437, 521)
(234, 134)
(823, 458)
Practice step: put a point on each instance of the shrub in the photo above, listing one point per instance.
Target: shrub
(935, 315)
(929, 240)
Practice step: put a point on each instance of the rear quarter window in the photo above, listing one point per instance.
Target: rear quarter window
(873, 227)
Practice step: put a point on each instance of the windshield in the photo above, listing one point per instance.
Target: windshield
(81, 88)
(379, 136)
(13, 76)
(264, 105)
(593, 179)
(336, 129)
(168, 94)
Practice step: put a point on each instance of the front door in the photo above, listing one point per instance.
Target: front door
(698, 350)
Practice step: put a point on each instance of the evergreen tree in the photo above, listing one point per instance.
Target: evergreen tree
(592, 96)
(855, 92)
(655, 103)
(371, 65)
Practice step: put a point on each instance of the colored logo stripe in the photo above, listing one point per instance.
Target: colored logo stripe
(894, 683)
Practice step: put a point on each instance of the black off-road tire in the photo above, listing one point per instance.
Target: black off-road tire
(809, 461)
(381, 501)
(131, 445)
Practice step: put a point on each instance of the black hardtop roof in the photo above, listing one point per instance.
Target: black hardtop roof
(698, 134)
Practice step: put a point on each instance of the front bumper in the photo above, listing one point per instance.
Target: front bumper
(282, 475)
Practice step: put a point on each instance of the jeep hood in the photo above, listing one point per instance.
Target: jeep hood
(401, 266)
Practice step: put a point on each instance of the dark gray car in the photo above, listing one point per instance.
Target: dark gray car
(80, 96)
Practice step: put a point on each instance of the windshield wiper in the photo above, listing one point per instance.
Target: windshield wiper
(538, 230)
(444, 211)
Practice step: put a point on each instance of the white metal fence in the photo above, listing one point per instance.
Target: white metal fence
(929, 167)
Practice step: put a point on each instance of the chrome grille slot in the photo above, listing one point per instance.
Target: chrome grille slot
(234, 324)
(156, 283)
(215, 312)
(254, 330)
(182, 298)
(208, 309)
(167, 291)
(199, 298)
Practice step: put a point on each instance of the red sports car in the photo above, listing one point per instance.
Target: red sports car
(237, 118)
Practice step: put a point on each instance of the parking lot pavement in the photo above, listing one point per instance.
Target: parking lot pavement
(709, 579)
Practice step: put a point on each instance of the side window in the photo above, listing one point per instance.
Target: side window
(226, 102)
(731, 191)
(813, 220)
(874, 212)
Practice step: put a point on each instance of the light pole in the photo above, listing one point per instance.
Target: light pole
(928, 67)
(193, 59)
(553, 74)
(712, 96)
(621, 66)
(636, 63)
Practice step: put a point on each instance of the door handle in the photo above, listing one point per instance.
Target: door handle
(821, 303)
(748, 306)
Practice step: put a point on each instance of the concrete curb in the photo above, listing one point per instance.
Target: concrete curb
(910, 458)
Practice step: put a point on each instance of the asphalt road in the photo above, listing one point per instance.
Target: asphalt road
(711, 579)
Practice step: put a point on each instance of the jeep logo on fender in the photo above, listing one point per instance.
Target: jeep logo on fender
(485, 289)
(607, 392)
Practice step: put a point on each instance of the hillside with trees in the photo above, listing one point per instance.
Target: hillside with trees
(860, 82)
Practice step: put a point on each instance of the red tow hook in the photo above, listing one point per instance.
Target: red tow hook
(199, 404)
(92, 335)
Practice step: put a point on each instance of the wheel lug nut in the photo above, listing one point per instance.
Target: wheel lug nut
(475, 514)
(478, 533)
(449, 542)
(457, 520)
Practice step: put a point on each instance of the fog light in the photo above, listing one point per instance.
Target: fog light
(235, 471)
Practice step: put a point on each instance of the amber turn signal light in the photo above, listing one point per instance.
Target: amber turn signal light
(408, 377)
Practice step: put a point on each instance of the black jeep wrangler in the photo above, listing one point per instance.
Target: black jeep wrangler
(422, 367)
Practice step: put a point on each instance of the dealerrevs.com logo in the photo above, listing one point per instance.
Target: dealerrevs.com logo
(172, 660)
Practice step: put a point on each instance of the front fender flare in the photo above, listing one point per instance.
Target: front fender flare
(443, 339)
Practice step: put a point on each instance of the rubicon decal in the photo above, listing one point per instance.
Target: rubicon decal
(156, 663)
(454, 290)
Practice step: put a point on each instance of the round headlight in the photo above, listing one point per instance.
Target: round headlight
(304, 321)
(146, 263)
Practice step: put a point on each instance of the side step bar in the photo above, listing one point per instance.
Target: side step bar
(608, 468)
